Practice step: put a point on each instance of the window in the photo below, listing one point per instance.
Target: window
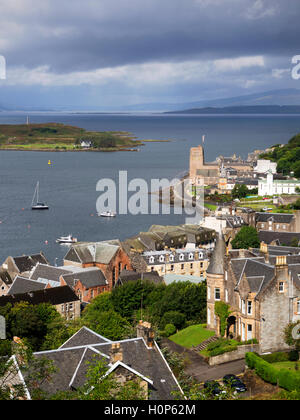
(151, 260)
(243, 306)
(191, 265)
(191, 256)
(171, 258)
(208, 293)
(281, 287)
(71, 307)
(217, 294)
(172, 267)
(63, 308)
(182, 266)
(226, 295)
(181, 257)
(161, 258)
(298, 307)
(152, 269)
(249, 308)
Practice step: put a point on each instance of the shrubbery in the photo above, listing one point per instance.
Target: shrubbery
(284, 378)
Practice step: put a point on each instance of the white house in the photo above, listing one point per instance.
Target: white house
(270, 187)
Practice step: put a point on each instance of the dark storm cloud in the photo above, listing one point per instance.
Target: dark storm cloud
(86, 35)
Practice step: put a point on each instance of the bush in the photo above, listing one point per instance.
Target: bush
(173, 317)
(284, 378)
(170, 329)
(276, 357)
(221, 350)
(293, 356)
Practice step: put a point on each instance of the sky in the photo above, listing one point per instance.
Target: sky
(110, 53)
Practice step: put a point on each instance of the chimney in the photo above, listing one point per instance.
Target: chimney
(116, 354)
(281, 261)
(265, 250)
(242, 253)
(19, 350)
(196, 255)
(145, 331)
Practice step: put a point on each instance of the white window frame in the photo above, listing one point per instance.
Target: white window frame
(281, 289)
(217, 299)
(249, 306)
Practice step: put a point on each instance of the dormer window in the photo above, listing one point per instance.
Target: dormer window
(151, 260)
(181, 257)
(171, 258)
(161, 259)
(191, 256)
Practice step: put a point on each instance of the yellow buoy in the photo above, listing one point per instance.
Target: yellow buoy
(49, 163)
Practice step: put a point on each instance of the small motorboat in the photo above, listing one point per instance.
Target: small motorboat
(66, 240)
(107, 214)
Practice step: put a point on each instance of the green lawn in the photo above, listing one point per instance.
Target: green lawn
(210, 206)
(192, 336)
(286, 365)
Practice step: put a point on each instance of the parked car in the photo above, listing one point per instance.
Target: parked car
(235, 383)
(214, 387)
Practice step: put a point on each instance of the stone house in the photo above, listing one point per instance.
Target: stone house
(109, 256)
(278, 222)
(193, 262)
(138, 359)
(63, 299)
(263, 293)
(23, 265)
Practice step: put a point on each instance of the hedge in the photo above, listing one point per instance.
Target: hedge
(283, 377)
(276, 357)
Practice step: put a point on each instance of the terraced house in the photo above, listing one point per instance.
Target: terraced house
(262, 289)
(192, 262)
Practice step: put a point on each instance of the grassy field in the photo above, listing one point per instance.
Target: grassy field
(52, 136)
(192, 336)
(212, 207)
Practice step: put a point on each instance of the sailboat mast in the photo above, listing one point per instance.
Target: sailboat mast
(37, 192)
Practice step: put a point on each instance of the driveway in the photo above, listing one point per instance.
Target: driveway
(199, 369)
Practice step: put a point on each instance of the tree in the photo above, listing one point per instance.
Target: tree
(240, 191)
(246, 238)
(289, 338)
(110, 324)
(173, 317)
(100, 386)
(223, 312)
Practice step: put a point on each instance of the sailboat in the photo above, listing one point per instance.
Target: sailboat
(37, 205)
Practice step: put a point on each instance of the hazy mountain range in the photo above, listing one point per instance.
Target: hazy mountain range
(275, 101)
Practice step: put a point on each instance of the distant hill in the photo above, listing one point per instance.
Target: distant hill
(274, 97)
(255, 109)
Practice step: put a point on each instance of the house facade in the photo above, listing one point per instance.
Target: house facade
(263, 294)
(270, 186)
(278, 222)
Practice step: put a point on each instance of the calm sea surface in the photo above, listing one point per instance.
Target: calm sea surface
(69, 185)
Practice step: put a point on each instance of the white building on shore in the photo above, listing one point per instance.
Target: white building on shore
(269, 186)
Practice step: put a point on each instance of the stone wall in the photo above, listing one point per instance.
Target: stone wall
(233, 355)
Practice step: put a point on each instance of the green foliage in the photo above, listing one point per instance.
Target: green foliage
(246, 238)
(276, 357)
(102, 387)
(173, 317)
(32, 322)
(240, 191)
(223, 312)
(290, 341)
(293, 356)
(170, 329)
(284, 378)
(110, 324)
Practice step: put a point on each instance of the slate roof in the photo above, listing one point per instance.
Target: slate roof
(100, 252)
(54, 296)
(71, 363)
(89, 277)
(127, 276)
(24, 285)
(179, 256)
(27, 262)
(217, 261)
(275, 217)
(48, 272)
(282, 238)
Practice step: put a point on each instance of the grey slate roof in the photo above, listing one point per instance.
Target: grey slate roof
(70, 361)
(100, 252)
(54, 296)
(88, 277)
(217, 261)
(24, 285)
(47, 272)
(275, 217)
(128, 276)
(27, 262)
(282, 238)
(5, 277)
